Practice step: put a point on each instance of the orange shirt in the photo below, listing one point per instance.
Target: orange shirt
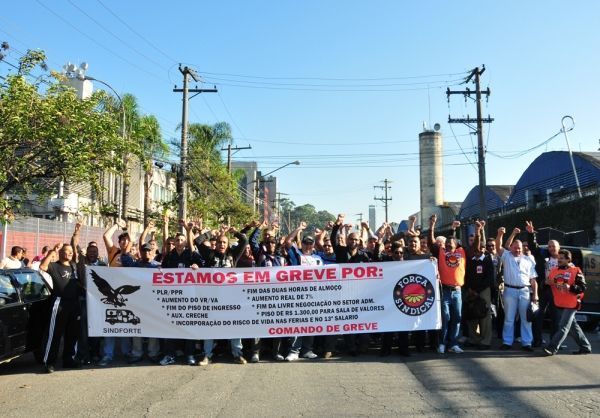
(563, 298)
(452, 266)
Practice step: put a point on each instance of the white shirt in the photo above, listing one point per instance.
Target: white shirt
(311, 260)
(10, 263)
(551, 262)
(517, 270)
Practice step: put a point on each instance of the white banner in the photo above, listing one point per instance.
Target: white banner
(263, 302)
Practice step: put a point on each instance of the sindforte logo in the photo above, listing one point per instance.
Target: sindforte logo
(414, 294)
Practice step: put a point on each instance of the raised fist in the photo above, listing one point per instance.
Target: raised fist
(516, 231)
(455, 224)
(501, 230)
(302, 225)
(340, 219)
(432, 219)
(121, 223)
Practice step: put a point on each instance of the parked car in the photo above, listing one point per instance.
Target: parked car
(589, 262)
(24, 313)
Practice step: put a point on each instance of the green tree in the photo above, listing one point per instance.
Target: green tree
(48, 134)
(152, 147)
(214, 193)
(309, 214)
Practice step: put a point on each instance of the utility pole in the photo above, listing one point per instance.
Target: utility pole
(182, 173)
(229, 148)
(360, 220)
(480, 120)
(384, 199)
(277, 202)
(259, 180)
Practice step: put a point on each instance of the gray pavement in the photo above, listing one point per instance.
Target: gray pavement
(476, 383)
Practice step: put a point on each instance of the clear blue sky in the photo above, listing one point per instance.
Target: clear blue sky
(296, 80)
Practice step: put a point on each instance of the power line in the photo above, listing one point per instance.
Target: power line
(337, 78)
(522, 153)
(142, 37)
(355, 90)
(336, 144)
(109, 50)
(265, 83)
(101, 26)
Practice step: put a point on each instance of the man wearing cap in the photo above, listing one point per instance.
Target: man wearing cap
(349, 252)
(146, 261)
(114, 260)
(182, 256)
(304, 256)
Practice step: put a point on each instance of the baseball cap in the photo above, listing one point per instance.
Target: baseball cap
(146, 247)
(308, 240)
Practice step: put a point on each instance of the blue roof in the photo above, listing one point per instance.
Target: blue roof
(495, 198)
(552, 170)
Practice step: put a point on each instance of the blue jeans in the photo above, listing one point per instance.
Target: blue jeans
(567, 325)
(516, 301)
(236, 347)
(298, 343)
(109, 346)
(451, 315)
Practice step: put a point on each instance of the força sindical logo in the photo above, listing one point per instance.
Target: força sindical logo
(414, 294)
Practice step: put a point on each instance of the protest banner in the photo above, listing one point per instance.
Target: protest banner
(263, 302)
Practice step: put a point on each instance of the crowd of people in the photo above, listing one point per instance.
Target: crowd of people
(485, 284)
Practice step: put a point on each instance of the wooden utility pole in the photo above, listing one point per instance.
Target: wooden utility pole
(229, 148)
(384, 199)
(182, 172)
(479, 121)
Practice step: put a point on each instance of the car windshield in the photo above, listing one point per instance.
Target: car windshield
(32, 285)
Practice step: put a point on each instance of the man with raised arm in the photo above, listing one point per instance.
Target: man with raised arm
(451, 261)
(65, 315)
(350, 252)
(520, 289)
(88, 349)
(304, 256)
(114, 252)
(544, 263)
(479, 282)
(182, 256)
(224, 256)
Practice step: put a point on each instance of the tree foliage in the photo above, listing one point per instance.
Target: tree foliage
(307, 213)
(214, 194)
(47, 133)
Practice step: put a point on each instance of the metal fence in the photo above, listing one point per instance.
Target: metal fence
(34, 233)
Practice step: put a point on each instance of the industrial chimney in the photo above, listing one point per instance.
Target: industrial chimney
(432, 180)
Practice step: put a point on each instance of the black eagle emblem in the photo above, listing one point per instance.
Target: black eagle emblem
(113, 296)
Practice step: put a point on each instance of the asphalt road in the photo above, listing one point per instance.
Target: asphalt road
(490, 383)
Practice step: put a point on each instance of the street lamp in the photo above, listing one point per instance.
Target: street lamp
(74, 73)
(259, 179)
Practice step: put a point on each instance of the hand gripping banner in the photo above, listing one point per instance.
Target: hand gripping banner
(263, 302)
